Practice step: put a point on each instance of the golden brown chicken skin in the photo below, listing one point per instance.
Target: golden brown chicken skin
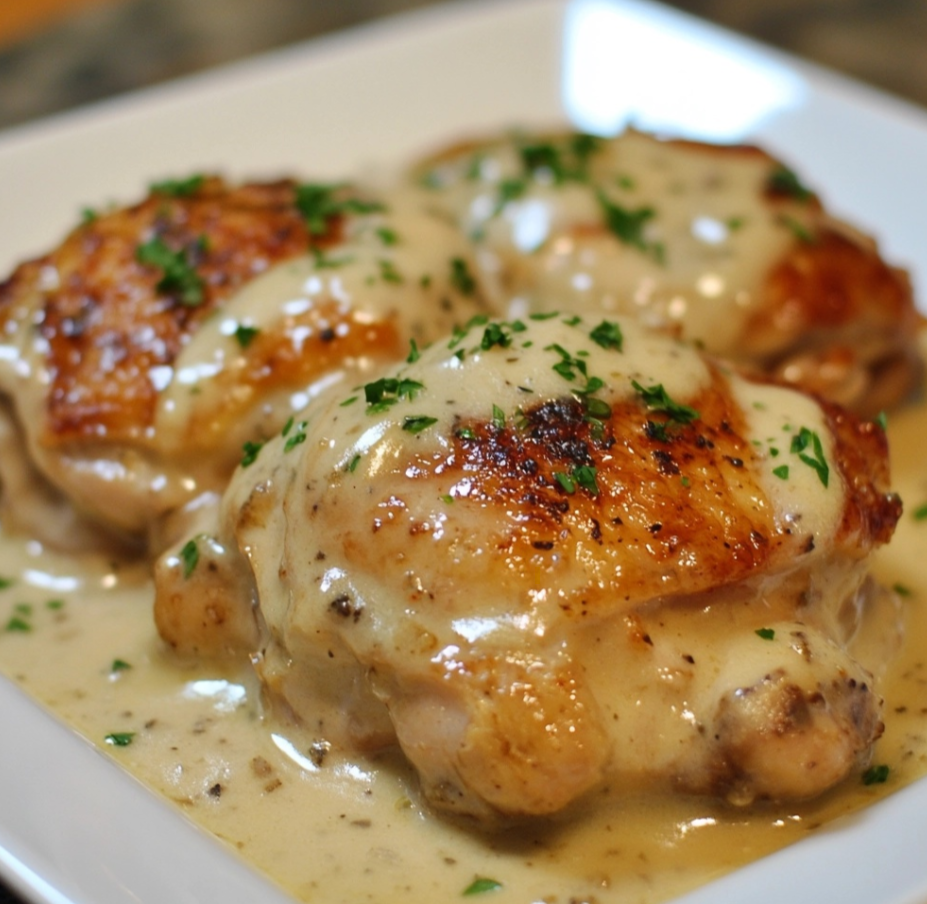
(554, 553)
(723, 245)
(157, 340)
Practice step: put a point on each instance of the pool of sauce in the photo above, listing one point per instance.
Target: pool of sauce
(77, 635)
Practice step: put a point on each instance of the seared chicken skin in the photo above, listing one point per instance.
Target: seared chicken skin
(550, 553)
(722, 245)
(141, 355)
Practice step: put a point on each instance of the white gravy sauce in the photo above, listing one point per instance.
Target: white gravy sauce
(77, 634)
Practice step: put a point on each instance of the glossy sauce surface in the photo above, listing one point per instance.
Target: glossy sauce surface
(78, 636)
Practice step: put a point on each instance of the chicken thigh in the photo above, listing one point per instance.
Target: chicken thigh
(723, 245)
(139, 357)
(549, 553)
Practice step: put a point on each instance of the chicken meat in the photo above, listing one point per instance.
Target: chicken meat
(549, 554)
(143, 357)
(723, 245)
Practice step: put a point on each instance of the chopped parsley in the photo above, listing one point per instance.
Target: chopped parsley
(480, 885)
(387, 236)
(814, 458)
(782, 472)
(798, 229)
(920, 513)
(416, 423)
(351, 466)
(495, 334)
(179, 277)
(607, 335)
(296, 438)
(414, 353)
(876, 775)
(498, 417)
(18, 624)
(189, 557)
(318, 203)
(178, 188)
(5, 583)
(389, 273)
(783, 181)
(387, 391)
(119, 665)
(245, 335)
(461, 277)
(120, 738)
(765, 633)
(583, 476)
(628, 226)
(251, 451)
(656, 398)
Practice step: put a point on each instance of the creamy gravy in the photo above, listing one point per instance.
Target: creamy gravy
(78, 636)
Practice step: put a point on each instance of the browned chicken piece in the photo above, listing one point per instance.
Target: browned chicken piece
(553, 553)
(140, 356)
(723, 245)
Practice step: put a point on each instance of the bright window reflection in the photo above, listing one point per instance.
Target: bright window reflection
(629, 64)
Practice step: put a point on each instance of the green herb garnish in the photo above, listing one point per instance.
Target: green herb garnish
(416, 423)
(178, 188)
(607, 335)
(804, 439)
(250, 451)
(876, 775)
(190, 557)
(783, 181)
(120, 738)
(656, 398)
(461, 278)
(244, 335)
(765, 633)
(481, 885)
(179, 278)
(318, 203)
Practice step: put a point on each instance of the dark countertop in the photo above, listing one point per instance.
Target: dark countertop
(120, 46)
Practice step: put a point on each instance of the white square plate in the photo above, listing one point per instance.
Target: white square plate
(73, 827)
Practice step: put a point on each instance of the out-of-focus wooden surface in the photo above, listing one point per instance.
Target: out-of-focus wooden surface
(56, 54)
(21, 19)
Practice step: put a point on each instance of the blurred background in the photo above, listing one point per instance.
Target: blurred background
(56, 54)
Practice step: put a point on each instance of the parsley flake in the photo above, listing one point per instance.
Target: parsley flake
(251, 451)
(319, 203)
(190, 557)
(784, 181)
(244, 335)
(178, 188)
(815, 459)
(416, 423)
(656, 398)
(387, 391)
(18, 624)
(461, 278)
(480, 885)
(876, 775)
(120, 738)
(179, 278)
(607, 335)
(765, 633)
